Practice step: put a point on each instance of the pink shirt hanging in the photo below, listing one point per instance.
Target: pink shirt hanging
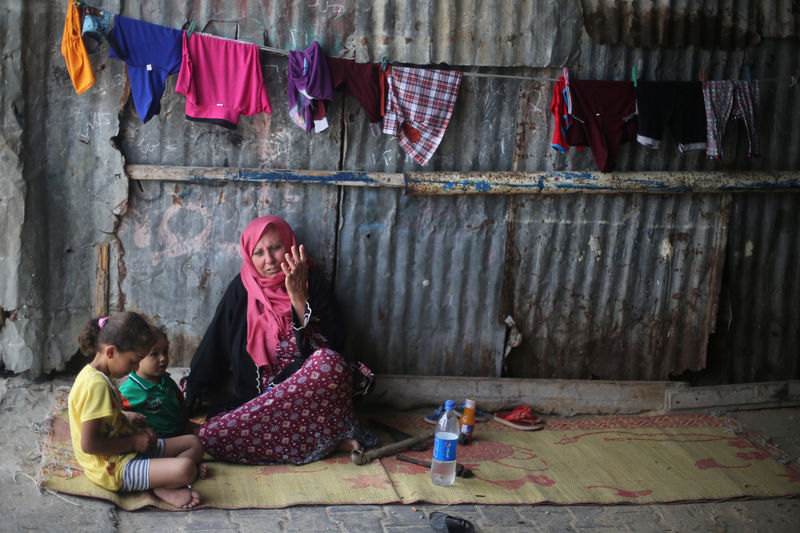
(221, 80)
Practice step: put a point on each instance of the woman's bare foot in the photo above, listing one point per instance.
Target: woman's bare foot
(348, 445)
(183, 498)
(202, 471)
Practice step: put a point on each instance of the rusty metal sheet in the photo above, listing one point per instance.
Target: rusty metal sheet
(613, 287)
(422, 277)
(758, 325)
(468, 32)
(687, 23)
(455, 32)
(66, 151)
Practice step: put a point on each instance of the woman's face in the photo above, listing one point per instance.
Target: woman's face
(269, 253)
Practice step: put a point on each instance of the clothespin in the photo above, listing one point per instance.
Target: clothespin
(383, 64)
(565, 73)
(794, 81)
(704, 78)
(190, 30)
(747, 73)
(633, 76)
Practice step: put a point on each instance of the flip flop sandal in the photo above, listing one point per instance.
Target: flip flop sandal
(521, 418)
(445, 523)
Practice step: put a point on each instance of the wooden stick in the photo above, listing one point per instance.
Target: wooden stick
(361, 458)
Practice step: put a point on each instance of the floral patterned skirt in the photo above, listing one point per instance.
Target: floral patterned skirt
(300, 420)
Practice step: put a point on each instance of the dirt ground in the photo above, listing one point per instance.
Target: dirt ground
(24, 405)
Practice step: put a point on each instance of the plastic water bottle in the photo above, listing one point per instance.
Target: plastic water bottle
(443, 466)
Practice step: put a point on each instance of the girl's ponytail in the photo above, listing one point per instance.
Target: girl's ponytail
(128, 331)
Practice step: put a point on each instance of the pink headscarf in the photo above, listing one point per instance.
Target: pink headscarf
(269, 309)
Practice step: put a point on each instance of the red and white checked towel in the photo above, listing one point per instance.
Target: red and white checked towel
(418, 108)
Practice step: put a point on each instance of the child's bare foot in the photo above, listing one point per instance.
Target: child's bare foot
(183, 498)
(348, 445)
(202, 471)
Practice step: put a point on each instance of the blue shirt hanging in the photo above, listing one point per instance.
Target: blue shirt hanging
(152, 53)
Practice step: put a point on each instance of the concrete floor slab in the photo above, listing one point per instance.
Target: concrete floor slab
(24, 405)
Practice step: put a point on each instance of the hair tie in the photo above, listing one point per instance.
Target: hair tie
(102, 322)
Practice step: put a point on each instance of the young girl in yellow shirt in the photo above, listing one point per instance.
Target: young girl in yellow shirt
(111, 445)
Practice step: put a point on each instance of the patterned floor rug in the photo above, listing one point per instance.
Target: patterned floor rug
(592, 460)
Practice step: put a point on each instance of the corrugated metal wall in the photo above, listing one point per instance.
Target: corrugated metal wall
(617, 286)
(420, 278)
(614, 285)
(758, 328)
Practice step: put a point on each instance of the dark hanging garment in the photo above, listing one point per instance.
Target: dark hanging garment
(360, 80)
(677, 105)
(604, 116)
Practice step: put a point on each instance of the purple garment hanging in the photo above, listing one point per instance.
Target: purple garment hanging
(309, 78)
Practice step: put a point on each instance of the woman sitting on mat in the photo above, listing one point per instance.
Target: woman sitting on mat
(276, 314)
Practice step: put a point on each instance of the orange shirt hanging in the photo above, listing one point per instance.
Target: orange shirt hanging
(74, 51)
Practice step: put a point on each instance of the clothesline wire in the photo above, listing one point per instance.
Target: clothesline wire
(281, 52)
(269, 49)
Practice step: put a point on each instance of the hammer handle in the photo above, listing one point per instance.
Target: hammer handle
(396, 433)
(362, 458)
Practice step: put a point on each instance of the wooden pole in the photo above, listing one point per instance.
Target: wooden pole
(101, 280)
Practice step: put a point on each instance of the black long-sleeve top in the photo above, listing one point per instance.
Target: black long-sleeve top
(224, 345)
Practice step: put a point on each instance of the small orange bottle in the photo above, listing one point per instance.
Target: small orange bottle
(467, 422)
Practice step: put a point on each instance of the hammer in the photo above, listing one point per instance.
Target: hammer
(397, 434)
(361, 458)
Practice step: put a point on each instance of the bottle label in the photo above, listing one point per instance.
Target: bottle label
(466, 429)
(444, 446)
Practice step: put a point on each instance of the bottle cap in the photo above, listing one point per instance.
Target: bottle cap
(469, 403)
(449, 405)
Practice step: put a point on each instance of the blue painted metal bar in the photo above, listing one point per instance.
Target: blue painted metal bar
(433, 183)
(255, 175)
(598, 182)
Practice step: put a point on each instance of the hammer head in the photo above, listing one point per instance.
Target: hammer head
(358, 457)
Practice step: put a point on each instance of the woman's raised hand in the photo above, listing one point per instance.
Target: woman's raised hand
(296, 269)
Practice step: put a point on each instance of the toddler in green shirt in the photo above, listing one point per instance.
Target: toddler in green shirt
(152, 392)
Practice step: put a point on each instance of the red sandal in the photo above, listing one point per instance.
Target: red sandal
(520, 418)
